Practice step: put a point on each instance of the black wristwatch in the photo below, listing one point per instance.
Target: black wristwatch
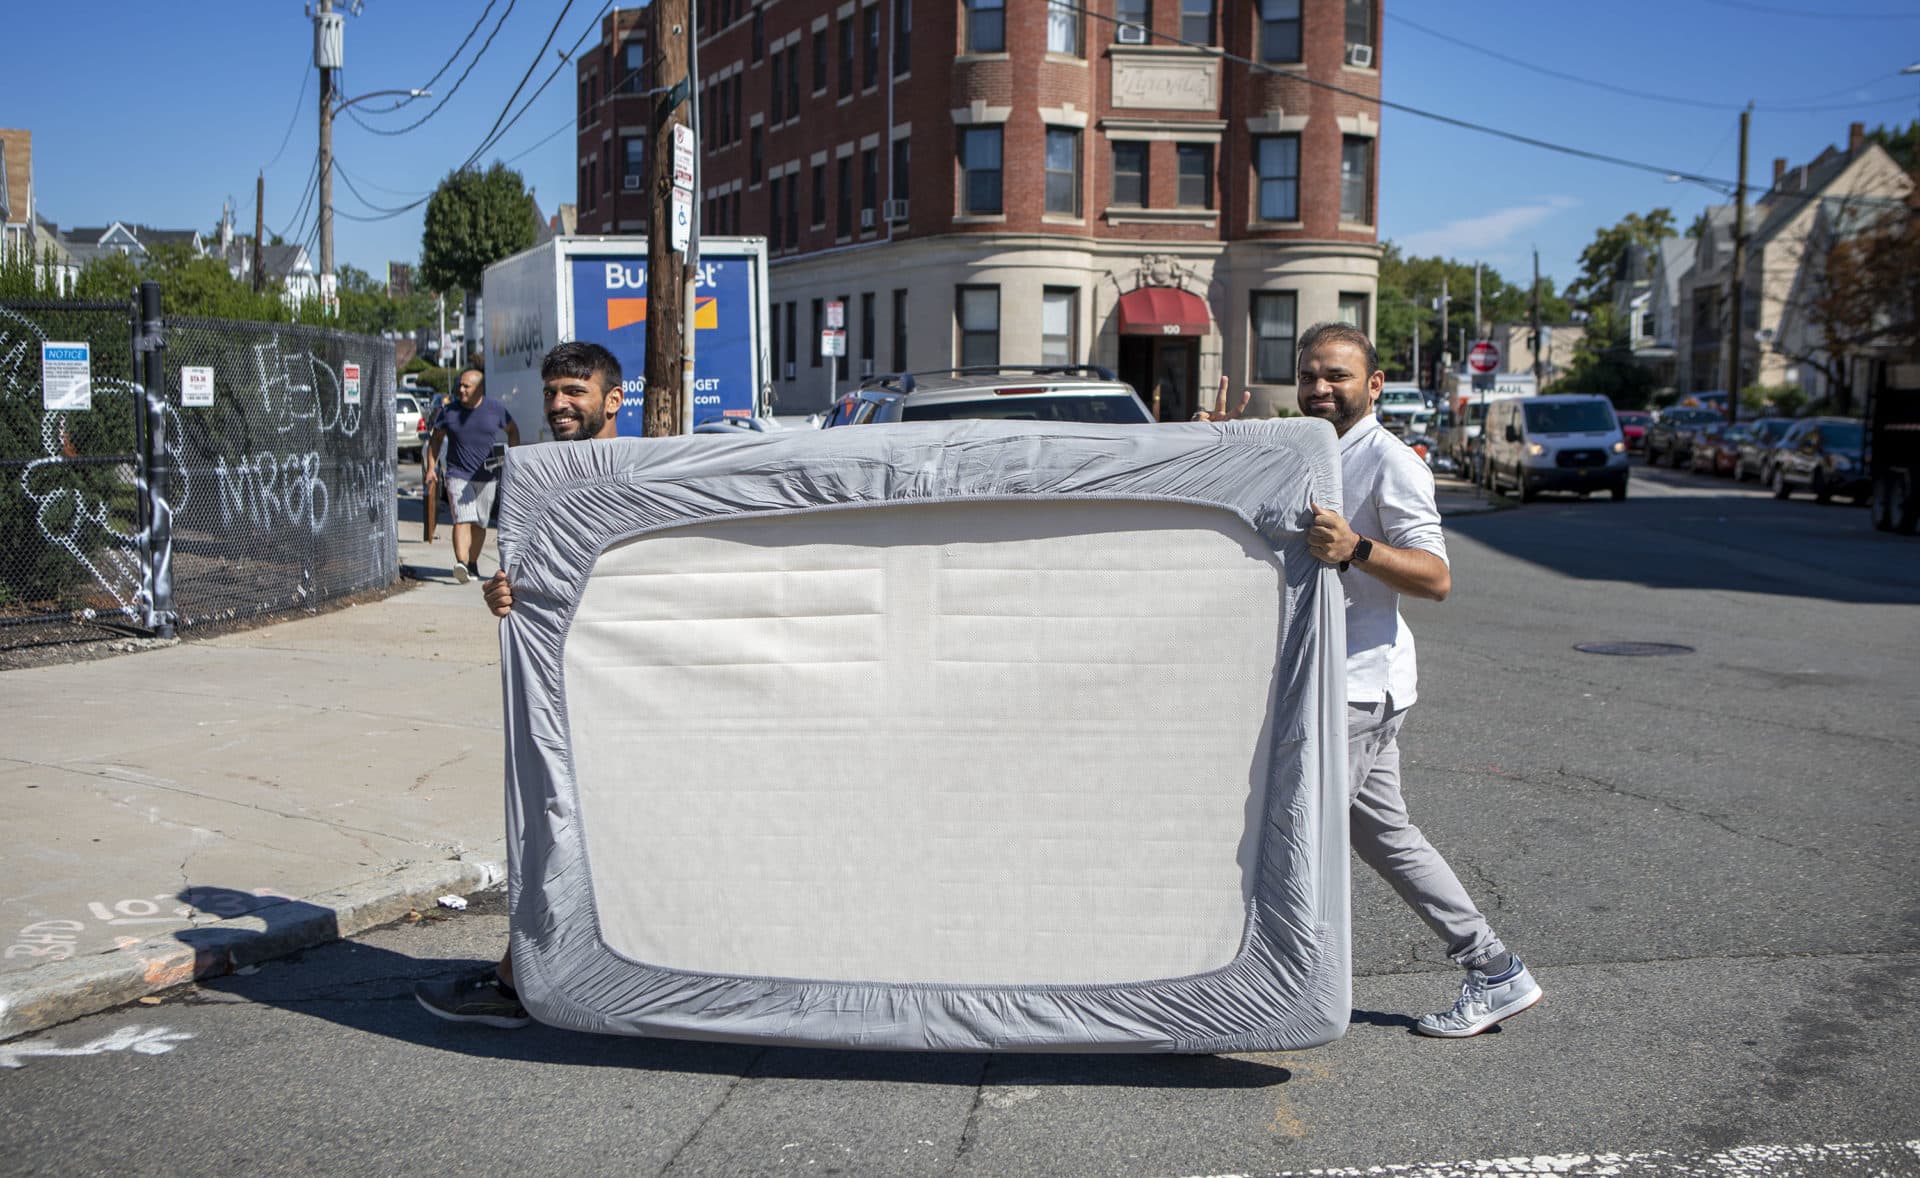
(1362, 549)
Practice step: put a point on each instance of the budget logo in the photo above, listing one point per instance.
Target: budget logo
(627, 312)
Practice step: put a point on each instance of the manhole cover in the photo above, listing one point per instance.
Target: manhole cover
(1632, 648)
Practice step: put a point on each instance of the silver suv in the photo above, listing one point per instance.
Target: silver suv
(1005, 392)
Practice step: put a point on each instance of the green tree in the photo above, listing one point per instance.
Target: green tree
(473, 220)
(1902, 145)
(1600, 261)
(1408, 289)
(1603, 363)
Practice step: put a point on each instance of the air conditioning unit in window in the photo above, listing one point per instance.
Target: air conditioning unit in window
(1360, 55)
(1132, 35)
(633, 183)
(866, 218)
(866, 366)
(897, 209)
(789, 370)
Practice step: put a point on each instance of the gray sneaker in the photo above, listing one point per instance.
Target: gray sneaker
(1484, 1001)
(476, 998)
(461, 574)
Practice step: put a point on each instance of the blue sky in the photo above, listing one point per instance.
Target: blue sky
(232, 81)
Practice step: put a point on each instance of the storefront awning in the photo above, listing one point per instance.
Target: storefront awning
(1163, 310)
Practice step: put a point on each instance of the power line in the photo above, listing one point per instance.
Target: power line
(565, 58)
(1650, 96)
(455, 89)
(1812, 14)
(294, 120)
(531, 66)
(299, 212)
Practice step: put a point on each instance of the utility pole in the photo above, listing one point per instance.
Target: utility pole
(1417, 317)
(668, 283)
(1737, 282)
(1476, 302)
(259, 232)
(329, 34)
(1446, 309)
(1539, 369)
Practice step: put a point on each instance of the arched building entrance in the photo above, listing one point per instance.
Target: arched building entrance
(1161, 329)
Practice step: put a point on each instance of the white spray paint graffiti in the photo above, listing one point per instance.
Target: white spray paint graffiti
(142, 1040)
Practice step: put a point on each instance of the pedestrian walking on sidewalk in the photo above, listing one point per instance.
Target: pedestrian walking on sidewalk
(468, 426)
(583, 387)
(1390, 543)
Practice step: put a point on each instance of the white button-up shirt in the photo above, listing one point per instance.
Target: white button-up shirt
(1389, 497)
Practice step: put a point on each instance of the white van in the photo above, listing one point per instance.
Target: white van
(1564, 442)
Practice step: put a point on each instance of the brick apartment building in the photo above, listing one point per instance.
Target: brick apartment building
(1020, 181)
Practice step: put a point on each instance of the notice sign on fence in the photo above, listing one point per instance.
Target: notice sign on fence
(350, 377)
(66, 376)
(196, 387)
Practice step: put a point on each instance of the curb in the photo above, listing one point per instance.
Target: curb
(58, 992)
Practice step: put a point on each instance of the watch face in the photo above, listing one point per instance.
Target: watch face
(1363, 549)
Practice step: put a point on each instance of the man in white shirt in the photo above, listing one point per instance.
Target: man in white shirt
(1390, 543)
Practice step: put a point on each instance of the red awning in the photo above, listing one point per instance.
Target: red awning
(1163, 310)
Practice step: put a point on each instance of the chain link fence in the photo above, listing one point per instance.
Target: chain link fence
(259, 477)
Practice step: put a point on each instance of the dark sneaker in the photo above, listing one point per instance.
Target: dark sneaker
(477, 998)
(1484, 1000)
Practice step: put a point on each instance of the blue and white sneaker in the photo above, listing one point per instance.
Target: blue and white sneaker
(1484, 1000)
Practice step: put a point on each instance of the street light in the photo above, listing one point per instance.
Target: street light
(328, 109)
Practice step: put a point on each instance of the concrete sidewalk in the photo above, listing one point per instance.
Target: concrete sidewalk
(187, 811)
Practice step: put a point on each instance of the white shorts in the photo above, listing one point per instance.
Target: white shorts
(472, 501)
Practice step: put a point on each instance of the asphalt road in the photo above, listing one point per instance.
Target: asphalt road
(1706, 857)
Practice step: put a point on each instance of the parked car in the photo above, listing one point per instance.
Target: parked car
(1006, 392)
(1716, 448)
(1560, 442)
(406, 426)
(1756, 450)
(1633, 426)
(1401, 402)
(1824, 455)
(1671, 436)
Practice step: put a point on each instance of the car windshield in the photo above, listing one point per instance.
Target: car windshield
(1840, 435)
(1771, 431)
(1691, 416)
(1570, 417)
(1398, 397)
(1117, 409)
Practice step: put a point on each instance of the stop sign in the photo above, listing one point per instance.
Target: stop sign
(1483, 356)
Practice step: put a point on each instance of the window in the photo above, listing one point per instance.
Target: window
(980, 171)
(819, 61)
(846, 59)
(773, 336)
(793, 80)
(870, 47)
(1273, 334)
(866, 330)
(843, 208)
(1130, 174)
(819, 324)
(777, 95)
(755, 146)
(1195, 176)
(1132, 12)
(636, 74)
(773, 221)
(759, 34)
(979, 317)
(1063, 171)
(1279, 30)
(870, 179)
(1360, 23)
(986, 26)
(902, 161)
(1276, 160)
(1063, 27)
(793, 340)
(1356, 180)
(902, 37)
(633, 153)
(1353, 309)
(1058, 317)
(899, 331)
(734, 107)
(1196, 21)
(819, 218)
(793, 209)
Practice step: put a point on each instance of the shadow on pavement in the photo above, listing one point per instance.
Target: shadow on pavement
(369, 989)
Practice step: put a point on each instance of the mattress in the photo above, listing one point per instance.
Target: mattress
(959, 736)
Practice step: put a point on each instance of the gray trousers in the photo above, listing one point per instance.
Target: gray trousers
(1387, 841)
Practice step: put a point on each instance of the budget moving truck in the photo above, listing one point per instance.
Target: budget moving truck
(595, 289)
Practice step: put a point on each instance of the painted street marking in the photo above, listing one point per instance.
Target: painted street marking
(1747, 1161)
(145, 1041)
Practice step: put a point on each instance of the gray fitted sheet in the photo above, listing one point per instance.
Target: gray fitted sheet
(955, 736)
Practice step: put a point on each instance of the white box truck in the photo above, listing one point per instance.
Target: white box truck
(595, 288)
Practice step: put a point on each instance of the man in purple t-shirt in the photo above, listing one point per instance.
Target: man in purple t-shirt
(468, 426)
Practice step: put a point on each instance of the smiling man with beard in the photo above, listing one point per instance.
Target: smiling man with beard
(584, 389)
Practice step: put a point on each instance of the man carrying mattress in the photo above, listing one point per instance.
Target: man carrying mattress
(1390, 543)
(582, 382)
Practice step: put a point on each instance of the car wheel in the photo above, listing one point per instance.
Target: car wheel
(1821, 492)
(1620, 492)
(1780, 488)
(1883, 500)
(1522, 488)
